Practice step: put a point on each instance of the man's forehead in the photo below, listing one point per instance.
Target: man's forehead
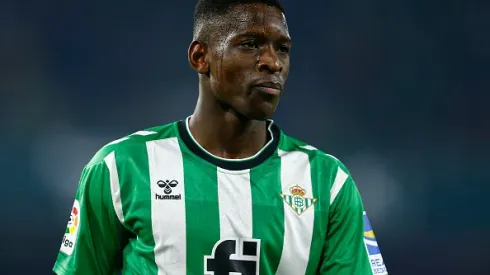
(258, 18)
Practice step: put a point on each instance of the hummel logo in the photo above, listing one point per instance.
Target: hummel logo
(167, 186)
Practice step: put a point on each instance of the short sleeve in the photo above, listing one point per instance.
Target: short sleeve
(92, 241)
(350, 246)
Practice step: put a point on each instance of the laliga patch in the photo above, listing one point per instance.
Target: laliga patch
(71, 232)
(372, 248)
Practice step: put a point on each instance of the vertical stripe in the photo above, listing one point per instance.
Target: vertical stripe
(319, 184)
(298, 229)
(134, 187)
(110, 161)
(202, 212)
(235, 204)
(167, 208)
(339, 181)
(268, 214)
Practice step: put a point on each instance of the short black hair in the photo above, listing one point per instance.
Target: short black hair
(207, 10)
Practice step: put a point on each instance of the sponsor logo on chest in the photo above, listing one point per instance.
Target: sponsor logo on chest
(167, 188)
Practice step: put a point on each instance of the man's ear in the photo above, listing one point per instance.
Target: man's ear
(197, 56)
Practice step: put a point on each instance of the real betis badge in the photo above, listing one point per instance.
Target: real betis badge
(297, 200)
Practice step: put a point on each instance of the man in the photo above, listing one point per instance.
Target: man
(224, 191)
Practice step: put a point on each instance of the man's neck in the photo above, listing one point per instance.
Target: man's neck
(224, 134)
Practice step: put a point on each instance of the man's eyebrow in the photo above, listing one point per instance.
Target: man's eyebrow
(282, 38)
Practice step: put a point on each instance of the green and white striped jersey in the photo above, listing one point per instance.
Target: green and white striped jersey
(155, 202)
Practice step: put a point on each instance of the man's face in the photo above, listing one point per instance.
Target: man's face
(249, 60)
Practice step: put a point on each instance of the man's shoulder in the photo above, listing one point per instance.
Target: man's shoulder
(129, 145)
(291, 144)
(321, 163)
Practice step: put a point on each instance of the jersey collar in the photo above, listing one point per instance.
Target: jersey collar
(273, 136)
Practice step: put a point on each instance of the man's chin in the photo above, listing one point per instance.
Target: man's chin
(260, 115)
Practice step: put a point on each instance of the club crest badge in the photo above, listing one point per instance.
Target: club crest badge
(297, 200)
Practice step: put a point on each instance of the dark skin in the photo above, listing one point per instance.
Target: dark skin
(242, 70)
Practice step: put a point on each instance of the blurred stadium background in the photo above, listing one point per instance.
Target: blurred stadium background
(398, 90)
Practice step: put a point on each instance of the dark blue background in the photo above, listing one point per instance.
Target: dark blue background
(398, 90)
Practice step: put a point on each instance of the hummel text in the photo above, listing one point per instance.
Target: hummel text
(168, 197)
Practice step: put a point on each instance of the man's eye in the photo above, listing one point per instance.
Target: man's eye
(284, 49)
(249, 45)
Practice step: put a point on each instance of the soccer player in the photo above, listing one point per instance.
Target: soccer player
(224, 191)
